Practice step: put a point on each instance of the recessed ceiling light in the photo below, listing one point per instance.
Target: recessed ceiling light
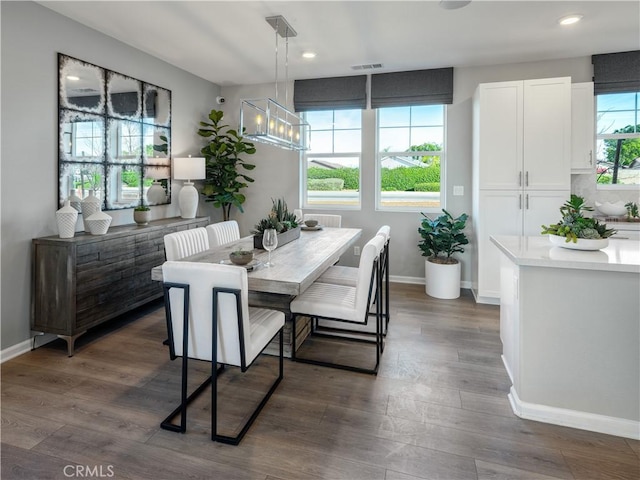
(309, 55)
(73, 78)
(570, 19)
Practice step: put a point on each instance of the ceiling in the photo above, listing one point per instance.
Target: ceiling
(230, 43)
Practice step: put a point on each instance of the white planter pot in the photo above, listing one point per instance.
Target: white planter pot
(442, 280)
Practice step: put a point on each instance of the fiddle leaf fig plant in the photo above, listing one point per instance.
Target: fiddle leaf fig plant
(442, 237)
(224, 165)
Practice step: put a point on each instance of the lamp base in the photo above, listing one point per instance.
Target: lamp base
(188, 200)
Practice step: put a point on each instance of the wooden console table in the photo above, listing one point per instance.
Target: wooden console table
(81, 282)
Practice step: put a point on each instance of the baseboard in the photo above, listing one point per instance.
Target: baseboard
(506, 367)
(24, 347)
(419, 280)
(571, 418)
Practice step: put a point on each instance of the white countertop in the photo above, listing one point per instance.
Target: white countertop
(537, 251)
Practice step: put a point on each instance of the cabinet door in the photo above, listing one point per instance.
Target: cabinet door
(547, 133)
(501, 212)
(542, 207)
(498, 132)
(582, 128)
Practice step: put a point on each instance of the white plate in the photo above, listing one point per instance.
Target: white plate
(317, 227)
(581, 244)
(252, 265)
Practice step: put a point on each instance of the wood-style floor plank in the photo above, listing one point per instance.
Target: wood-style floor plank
(436, 410)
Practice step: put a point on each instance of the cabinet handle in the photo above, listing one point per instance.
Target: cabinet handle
(527, 202)
(590, 157)
(526, 179)
(520, 202)
(520, 178)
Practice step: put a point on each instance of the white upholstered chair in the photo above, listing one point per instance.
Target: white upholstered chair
(299, 216)
(181, 244)
(324, 219)
(346, 306)
(223, 232)
(221, 328)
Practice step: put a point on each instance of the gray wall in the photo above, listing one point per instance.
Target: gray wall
(32, 36)
(278, 170)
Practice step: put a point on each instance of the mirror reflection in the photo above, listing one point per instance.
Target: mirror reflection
(114, 136)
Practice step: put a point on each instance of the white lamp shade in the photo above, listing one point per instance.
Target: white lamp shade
(191, 168)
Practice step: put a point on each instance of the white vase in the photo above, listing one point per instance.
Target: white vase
(442, 280)
(156, 194)
(99, 223)
(66, 218)
(90, 205)
(74, 200)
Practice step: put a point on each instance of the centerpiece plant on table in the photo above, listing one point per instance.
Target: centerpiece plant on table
(281, 220)
(574, 225)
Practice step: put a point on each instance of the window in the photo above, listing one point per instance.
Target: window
(332, 163)
(410, 153)
(618, 139)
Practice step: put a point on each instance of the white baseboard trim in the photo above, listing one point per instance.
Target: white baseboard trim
(24, 347)
(506, 367)
(593, 422)
(419, 280)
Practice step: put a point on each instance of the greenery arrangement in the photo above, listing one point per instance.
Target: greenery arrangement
(632, 212)
(280, 219)
(575, 225)
(141, 208)
(442, 237)
(222, 154)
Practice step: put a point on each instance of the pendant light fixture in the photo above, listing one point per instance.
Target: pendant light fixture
(266, 120)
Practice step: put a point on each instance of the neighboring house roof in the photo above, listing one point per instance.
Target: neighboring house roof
(395, 162)
(317, 162)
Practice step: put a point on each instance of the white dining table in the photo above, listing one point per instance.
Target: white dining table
(296, 265)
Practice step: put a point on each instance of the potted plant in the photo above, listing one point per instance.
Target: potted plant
(142, 214)
(441, 238)
(575, 230)
(632, 212)
(281, 220)
(224, 180)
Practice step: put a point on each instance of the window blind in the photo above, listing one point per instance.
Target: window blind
(616, 72)
(336, 93)
(419, 87)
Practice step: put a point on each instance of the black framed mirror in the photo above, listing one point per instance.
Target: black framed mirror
(114, 136)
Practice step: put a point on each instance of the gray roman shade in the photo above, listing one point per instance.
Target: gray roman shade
(420, 87)
(336, 93)
(616, 72)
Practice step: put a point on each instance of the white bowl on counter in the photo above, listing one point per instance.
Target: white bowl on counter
(616, 209)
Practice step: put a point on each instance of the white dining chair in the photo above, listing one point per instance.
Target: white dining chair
(324, 219)
(347, 306)
(298, 214)
(181, 244)
(209, 319)
(223, 232)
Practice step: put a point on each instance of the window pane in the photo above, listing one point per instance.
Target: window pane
(433, 136)
(628, 161)
(394, 139)
(613, 122)
(333, 181)
(427, 115)
(394, 117)
(321, 142)
(347, 119)
(347, 141)
(616, 101)
(410, 181)
(322, 120)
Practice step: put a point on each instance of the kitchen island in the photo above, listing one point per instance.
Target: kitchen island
(570, 328)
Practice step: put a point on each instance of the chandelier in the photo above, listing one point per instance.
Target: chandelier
(265, 120)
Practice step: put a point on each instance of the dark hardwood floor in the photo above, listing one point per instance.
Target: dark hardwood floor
(436, 410)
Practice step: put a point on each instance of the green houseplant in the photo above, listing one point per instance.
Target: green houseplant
(222, 153)
(441, 238)
(574, 225)
(281, 220)
(142, 214)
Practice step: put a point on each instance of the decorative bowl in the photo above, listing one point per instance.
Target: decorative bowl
(241, 257)
(616, 209)
(581, 243)
(311, 223)
(98, 223)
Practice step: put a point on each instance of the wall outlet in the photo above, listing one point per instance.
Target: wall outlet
(458, 190)
(356, 251)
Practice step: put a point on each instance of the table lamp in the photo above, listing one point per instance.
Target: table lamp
(191, 168)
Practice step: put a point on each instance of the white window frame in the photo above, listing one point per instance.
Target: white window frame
(378, 174)
(304, 155)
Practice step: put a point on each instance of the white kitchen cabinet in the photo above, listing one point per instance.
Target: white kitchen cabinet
(522, 134)
(582, 128)
(521, 167)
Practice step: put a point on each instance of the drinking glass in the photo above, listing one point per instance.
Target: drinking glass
(269, 242)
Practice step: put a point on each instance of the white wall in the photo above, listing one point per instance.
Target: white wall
(32, 36)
